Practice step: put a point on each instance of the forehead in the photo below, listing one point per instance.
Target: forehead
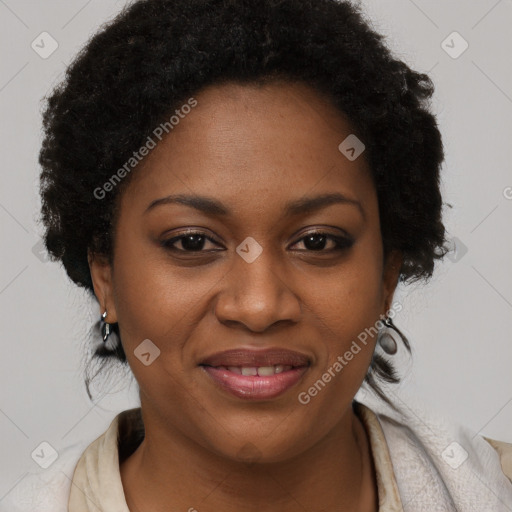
(275, 141)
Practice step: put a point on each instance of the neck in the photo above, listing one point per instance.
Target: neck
(169, 468)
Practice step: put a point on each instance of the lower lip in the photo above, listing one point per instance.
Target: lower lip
(255, 387)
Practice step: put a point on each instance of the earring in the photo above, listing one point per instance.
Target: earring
(386, 337)
(105, 327)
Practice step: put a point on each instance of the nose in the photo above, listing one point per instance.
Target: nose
(256, 296)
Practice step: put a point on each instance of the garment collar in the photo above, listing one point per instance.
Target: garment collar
(97, 484)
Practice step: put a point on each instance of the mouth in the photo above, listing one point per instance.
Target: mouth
(256, 375)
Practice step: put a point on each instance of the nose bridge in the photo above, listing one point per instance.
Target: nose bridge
(256, 294)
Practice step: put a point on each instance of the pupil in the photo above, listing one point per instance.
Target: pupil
(196, 242)
(315, 246)
(190, 244)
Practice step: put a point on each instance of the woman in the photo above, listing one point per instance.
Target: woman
(242, 185)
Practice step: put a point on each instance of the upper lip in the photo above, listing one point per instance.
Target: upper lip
(249, 358)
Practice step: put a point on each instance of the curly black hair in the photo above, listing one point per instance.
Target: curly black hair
(140, 67)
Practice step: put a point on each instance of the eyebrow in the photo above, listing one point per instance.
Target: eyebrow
(213, 207)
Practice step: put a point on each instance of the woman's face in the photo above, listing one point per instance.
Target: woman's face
(256, 278)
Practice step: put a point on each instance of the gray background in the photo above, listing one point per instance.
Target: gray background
(459, 324)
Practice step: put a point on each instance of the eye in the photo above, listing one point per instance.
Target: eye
(317, 240)
(191, 241)
(194, 241)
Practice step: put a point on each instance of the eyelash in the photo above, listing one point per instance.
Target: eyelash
(342, 243)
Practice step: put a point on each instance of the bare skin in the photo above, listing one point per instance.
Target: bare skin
(254, 149)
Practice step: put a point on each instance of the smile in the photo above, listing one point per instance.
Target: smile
(252, 374)
(255, 383)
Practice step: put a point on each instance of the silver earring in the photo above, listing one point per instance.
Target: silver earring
(386, 337)
(105, 327)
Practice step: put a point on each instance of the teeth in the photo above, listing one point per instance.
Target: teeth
(262, 371)
(265, 371)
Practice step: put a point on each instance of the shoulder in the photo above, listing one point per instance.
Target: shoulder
(426, 447)
(44, 490)
(505, 452)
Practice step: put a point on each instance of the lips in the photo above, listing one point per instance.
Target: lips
(256, 375)
(257, 358)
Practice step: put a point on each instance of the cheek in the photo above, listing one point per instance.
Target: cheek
(344, 314)
(158, 301)
(152, 297)
(351, 297)
(143, 303)
(153, 303)
(346, 308)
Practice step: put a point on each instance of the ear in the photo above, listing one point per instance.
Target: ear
(101, 275)
(390, 275)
